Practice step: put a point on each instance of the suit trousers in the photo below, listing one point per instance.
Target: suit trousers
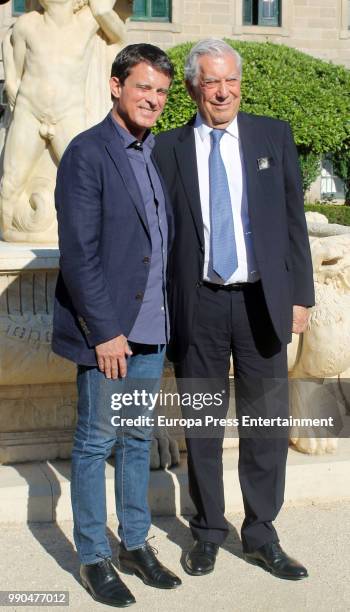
(236, 322)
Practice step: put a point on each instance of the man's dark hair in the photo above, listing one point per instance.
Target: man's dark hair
(132, 55)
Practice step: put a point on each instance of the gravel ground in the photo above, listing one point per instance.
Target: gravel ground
(41, 557)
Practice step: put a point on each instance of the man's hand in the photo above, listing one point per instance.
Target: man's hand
(111, 357)
(300, 319)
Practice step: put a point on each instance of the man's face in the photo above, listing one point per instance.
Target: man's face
(140, 99)
(217, 89)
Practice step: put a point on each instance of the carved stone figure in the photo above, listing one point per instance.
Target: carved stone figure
(56, 64)
(37, 387)
(318, 225)
(323, 352)
(33, 381)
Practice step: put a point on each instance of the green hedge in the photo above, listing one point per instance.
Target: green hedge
(334, 214)
(313, 95)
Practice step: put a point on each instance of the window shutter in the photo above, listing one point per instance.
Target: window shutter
(269, 12)
(140, 8)
(247, 12)
(18, 7)
(159, 9)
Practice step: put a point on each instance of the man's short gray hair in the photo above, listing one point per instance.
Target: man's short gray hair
(208, 46)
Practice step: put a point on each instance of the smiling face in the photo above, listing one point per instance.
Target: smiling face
(139, 101)
(217, 89)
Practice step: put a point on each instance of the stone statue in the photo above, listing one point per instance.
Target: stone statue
(56, 64)
(29, 368)
(323, 351)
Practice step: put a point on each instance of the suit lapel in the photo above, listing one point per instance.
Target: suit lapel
(185, 152)
(168, 206)
(247, 136)
(122, 164)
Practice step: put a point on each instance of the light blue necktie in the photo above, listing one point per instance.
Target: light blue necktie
(223, 243)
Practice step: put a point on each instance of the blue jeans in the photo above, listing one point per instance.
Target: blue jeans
(94, 439)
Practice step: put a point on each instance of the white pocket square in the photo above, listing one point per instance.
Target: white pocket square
(264, 162)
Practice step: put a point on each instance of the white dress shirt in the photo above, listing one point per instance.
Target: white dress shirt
(231, 154)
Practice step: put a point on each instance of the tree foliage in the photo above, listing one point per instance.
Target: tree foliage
(313, 95)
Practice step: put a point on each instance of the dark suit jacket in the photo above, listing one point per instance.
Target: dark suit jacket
(104, 241)
(276, 209)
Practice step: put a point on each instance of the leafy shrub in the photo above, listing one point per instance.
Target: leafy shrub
(310, 164)
(313, 95)
(334, 214)
(341, 165)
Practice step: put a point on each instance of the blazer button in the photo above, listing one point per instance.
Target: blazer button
(139, 296)
(146, 260)
(199, 284)
(201, 248)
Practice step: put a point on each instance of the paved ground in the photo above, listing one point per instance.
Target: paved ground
(41, 557)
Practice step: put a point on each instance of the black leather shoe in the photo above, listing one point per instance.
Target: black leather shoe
(144, 563)
(104, 585)
(200, 560)
(273, 559)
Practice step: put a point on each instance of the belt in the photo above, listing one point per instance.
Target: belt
(231, 287)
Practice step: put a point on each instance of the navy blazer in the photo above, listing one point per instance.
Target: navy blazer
(276, 210)
(104, 241)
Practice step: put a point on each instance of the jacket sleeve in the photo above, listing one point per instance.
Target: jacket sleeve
(78, 199)
(299, 246)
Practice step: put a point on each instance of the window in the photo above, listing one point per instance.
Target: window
(151, 10)
(332, 187)
(18, 7)
(262, 12)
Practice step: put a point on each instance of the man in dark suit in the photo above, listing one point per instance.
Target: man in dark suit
(110, 318)
(241, 277)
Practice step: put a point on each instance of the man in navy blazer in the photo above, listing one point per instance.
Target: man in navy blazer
(111, 316)
(241, 282)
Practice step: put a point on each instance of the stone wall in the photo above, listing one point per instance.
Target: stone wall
(318, 27)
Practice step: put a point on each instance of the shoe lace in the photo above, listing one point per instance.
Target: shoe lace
(106, 567)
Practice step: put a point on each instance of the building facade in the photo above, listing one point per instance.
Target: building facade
(320, 28)
(317, 27)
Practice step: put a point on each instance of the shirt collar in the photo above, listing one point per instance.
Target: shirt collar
(128, 139)
(204, 129)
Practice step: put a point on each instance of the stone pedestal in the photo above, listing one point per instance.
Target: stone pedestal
(37, 388)
(36, 422)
